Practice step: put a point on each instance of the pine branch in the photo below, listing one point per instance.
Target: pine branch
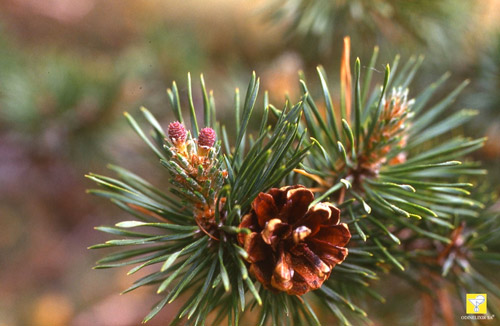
(193, 230)
(320, 25)
(236, 232)
(395, 166)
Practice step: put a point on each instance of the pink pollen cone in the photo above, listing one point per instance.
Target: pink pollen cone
(206, 138)
(177, 132)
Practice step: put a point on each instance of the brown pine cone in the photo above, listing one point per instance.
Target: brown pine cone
(292, 248)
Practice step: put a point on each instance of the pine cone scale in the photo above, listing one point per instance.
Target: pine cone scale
(308, 273)
(297, 204)
(247, 221)
(265, 208)
(283, 273)
(317, 215)
(320, 267)
(331, 254)
(261, 271)
(337, 235)
(255, 247)
(274, 230)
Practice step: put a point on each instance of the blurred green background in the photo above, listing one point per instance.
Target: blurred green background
(68, 69)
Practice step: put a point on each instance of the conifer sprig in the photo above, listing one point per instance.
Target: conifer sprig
(386, 155)
(194, 228)
(387, 161)
(393, 166)
(464, 265)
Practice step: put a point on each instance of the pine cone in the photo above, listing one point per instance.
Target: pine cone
(206, 138)
(292, 248)
(177, 133)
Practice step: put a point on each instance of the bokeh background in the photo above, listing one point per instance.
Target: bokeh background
(68, 69)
